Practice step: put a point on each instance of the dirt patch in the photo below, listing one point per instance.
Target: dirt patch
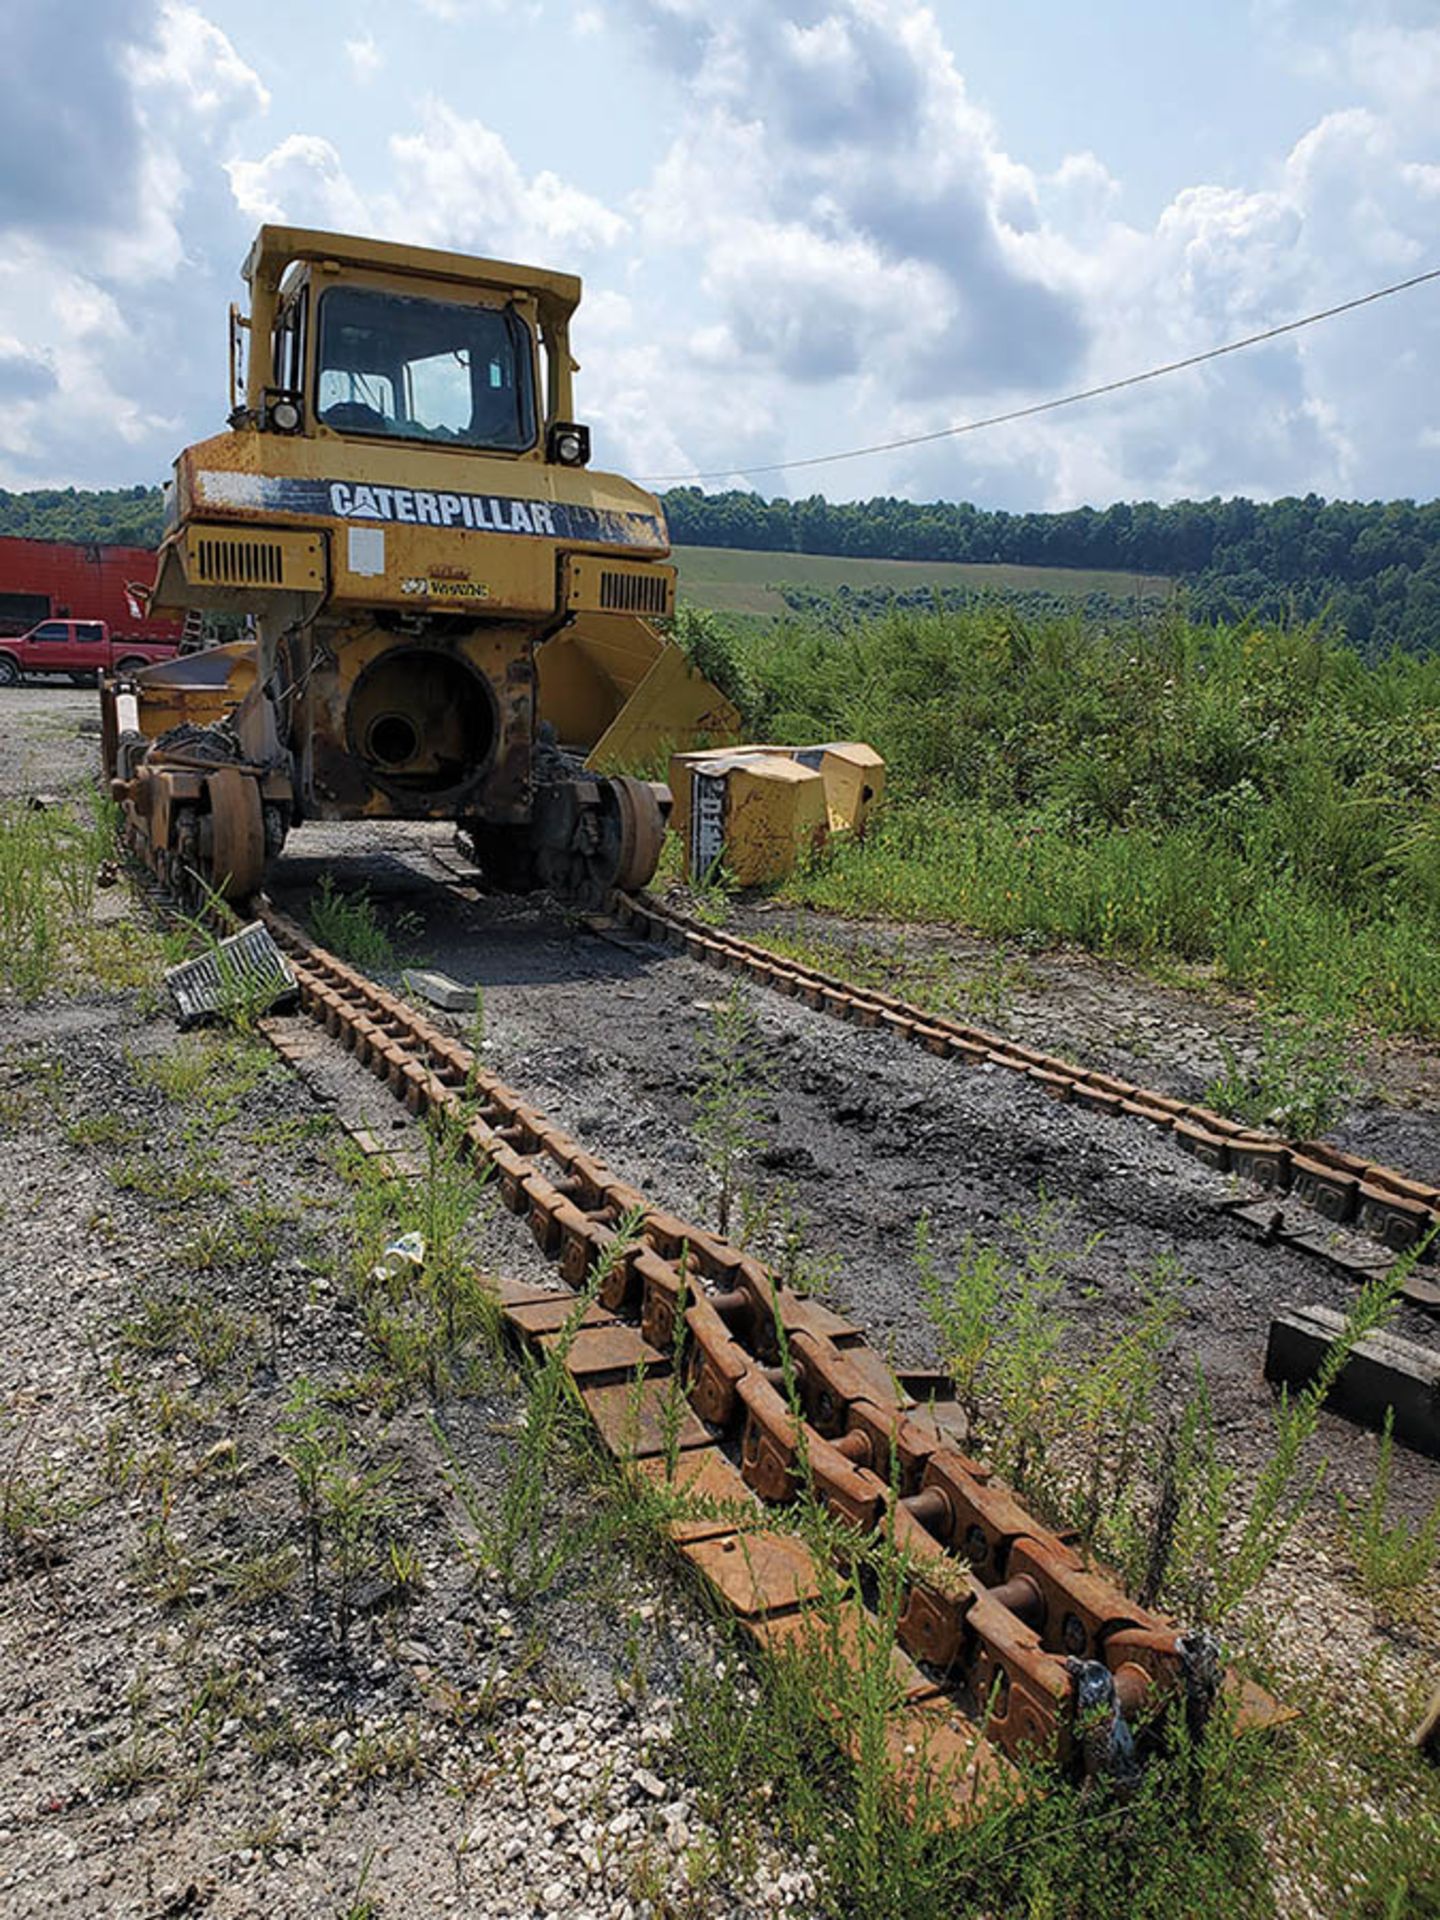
(1102, 1014)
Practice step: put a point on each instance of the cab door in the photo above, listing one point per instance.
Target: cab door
(89, 651)
(49, 648)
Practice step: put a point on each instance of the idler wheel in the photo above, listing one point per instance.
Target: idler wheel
(232, 836)
(643, 806)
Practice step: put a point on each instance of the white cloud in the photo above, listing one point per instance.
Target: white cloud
(458, 185)
(855, 219)
(831, 243)
(364, 56)
(453, 183)
(302, 180)
(192, 59)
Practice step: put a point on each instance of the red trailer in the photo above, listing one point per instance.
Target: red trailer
(62, 580)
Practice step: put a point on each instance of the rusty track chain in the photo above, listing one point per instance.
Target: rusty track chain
(1003, 1623)
(1399, 1212)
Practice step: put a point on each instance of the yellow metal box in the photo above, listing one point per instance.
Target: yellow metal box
(754, 811)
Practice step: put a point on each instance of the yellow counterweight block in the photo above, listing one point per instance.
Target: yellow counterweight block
(753, 811)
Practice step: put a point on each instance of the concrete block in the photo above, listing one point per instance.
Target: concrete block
(1383, 1371)
(441, 991)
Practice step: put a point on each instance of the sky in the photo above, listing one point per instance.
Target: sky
(803, 225)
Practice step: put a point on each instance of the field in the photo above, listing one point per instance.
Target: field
(726, 580)
(1253, 807)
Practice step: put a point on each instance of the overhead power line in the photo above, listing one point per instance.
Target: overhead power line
(1066, 400)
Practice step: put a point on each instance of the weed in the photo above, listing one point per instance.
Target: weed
(32, 1514)
(344, 1507)
(509, 1535)
(246, 1235)
(102, 1130)
(771, 1224)
(167, 1182)
(732, 1091)
(711, 894)
(284, 1735)
(1003, 1339)
(387, 1753)
(349, 925)
(1298, 1082)
(211, 1070)
(361, 1906)
(1391, 1559)
(423, 1318)
(209, 1334)
(290, 1131)
(49, 858)
(1284, 1489)
(253, 1578)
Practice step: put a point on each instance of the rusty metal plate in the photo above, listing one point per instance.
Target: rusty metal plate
(705, 1478)
(876, 1373)
(942, 1767)
(519, 1293)
(756, 1573)
(1255, 1709)
(607, 1350)
(945, 1422)
(836, 1645)
(550, 1313)
(635, 1425)
(813, 1316)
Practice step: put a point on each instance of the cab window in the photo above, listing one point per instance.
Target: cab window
(414, 369)
(52, 630)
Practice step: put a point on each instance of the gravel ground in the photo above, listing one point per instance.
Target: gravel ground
(99, 1660)
(187, 1730)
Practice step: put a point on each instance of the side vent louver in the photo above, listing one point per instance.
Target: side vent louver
(634, 592)
(239, 563)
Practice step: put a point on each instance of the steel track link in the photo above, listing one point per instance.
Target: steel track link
(1003, 1623)
(1400, 1212)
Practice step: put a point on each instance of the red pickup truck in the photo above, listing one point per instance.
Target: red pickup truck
(77, 648)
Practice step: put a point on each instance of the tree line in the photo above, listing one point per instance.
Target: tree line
(1372, 568)
(110, 517)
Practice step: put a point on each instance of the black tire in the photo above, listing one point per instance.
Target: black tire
(9, 670)
(132, 664)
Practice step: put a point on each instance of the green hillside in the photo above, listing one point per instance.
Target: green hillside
(726, 580)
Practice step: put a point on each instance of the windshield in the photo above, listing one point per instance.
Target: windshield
(425, 370)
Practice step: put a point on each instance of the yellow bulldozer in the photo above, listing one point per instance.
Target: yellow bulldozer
(449, 616)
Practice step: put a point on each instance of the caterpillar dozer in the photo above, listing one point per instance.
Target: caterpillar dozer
(447, 614)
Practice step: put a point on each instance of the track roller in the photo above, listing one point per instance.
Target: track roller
(232, 834)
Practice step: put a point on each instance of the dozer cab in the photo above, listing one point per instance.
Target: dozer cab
(449, 615)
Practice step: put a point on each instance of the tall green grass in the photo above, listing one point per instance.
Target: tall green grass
(49, 858)
(1259, 802)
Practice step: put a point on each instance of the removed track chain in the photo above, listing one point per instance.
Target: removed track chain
(1399, 1212)
(1006, 1628)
